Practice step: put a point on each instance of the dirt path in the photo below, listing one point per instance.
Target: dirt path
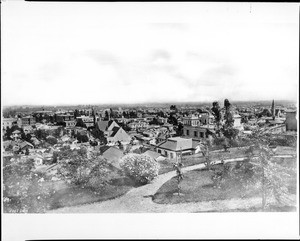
(139, 200)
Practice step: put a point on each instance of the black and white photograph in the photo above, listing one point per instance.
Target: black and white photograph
(149, 120)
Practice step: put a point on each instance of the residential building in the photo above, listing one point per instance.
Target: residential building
(156, 156)
(70, 123)
(61, 118)
(237, 122)
(175, 147)
(8, 122)
(118, 134)
(193, 128)
(138, 125)
(88, 121)
(106, 126)
(291, 121)
(28, 120)
(16, 135)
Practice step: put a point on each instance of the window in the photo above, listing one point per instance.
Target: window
(159, 151)
(187, 132)
(201, 134)
(166, 153)
(171, 155)
(195, 133)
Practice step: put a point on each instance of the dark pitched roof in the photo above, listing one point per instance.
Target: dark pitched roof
(114, 131)
(103, 148)
(102, 125)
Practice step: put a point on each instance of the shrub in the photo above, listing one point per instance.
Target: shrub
(51, 140)
(142, 169)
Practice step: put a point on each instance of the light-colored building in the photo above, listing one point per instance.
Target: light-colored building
(8, 122)
(193, 127)
(70, 123)
(237, 122)
(118, 134)
(88, 121)
(28, 120)
(291, 121)
(156, 156)
(174, 147)
(60, 118)
(138, 125)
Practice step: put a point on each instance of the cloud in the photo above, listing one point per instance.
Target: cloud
(49, 72)
(102, 57)
(170, 26)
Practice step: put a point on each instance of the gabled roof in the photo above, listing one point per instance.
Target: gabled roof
(102, 125)
(113, 155)
(102, 149)
(24, 144)
(152, 154)
(177, 144)
(115, 131)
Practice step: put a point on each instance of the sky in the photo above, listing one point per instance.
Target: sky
(101, 53)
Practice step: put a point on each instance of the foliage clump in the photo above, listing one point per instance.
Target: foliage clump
(141, 168)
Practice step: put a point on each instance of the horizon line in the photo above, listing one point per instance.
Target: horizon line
(146, 103)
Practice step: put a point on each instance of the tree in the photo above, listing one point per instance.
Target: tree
(106, 115)
(173, 108)
(172, 120)
(161, 114)
(80, 123)
(228, 114)
(82, 138)
(226, 133)
(100, 174)
(154, 122)
(51, 140)
(8, 133)
(22, 190)
(77, 168)
(179, 129)
(141, 168)
(26, 137)
(216, 110)
(40, 134)
(230, 133)
(111, 113)
(76, 113)
(60, 131)
(273, 176)
(99, 135)
(74, 165)
(179, 175)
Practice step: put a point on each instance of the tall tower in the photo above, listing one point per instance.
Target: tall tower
(273, 110)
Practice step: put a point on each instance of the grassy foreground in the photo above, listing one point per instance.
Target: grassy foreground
(198, 186)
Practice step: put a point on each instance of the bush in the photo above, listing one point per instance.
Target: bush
(22, 190)
(51, 140)
(142, 169)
